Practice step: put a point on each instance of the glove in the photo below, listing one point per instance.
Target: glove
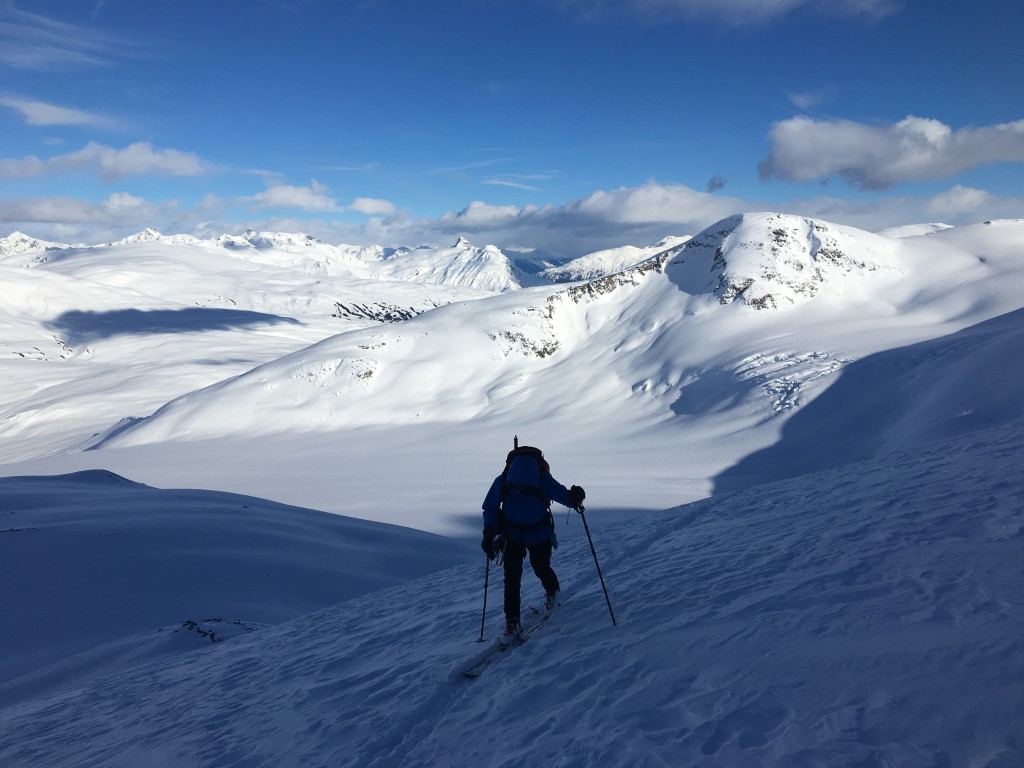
(487, 545)
(576, 497)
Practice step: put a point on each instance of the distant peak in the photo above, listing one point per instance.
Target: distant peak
(148, 235)
(462, 243)
(19, 242)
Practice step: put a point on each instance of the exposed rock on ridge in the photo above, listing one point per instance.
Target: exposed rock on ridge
(773, 261)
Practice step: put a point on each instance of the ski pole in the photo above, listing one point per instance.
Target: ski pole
(594, 553)
(483, 619)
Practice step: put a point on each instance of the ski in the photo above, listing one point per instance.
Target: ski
(495, 652)
(482, 661)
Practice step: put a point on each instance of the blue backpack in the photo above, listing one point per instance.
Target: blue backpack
(524, 466)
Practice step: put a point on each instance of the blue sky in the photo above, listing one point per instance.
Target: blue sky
(565, 125)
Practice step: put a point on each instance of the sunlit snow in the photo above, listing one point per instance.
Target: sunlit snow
(837, 411)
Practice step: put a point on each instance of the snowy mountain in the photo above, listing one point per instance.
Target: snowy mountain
(607, 262)
(913, 230)
(669, 358)
(842, 408)
(652, 353)
(463, 264)
(132, 323)
(17, 243)
(150, 235)
(770, 261)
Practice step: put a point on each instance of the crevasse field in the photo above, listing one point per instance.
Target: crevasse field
(239, 503)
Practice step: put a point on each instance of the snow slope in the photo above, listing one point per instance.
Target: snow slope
(848, 614)
(865, 616)
(97, 567)
(913, 230)
(97, 336)
(607, 262)
(898, 398)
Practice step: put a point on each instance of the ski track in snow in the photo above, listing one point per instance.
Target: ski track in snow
(862, 616)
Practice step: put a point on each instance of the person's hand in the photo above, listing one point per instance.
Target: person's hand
(487, 545)
(576, 497)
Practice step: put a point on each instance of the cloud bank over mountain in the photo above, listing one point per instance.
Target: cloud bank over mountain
(604, 219)
(879, 157)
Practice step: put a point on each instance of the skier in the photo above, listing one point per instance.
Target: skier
(518, 521)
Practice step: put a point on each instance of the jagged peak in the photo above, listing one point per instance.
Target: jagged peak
(148, 235)
(18, 242)
(260, 239)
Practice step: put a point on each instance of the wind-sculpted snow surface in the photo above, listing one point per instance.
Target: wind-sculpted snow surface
(100, 571)
(865, 616)
(898, 398)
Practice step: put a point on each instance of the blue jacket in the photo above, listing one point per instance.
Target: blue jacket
(524, 515)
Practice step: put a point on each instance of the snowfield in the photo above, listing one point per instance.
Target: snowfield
(868, 615)
(838, 412)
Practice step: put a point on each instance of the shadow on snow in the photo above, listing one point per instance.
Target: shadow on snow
(80, 326)
(899, 398)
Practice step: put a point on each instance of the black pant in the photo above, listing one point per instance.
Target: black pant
(540, 561)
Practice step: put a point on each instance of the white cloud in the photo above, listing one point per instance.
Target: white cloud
(43, 113)
(37, 42)
(313, 197)
(479, 215)
(958, 201)
(876, 157)
(270, 178)
(645, 214)
(957, 206)
(805, 100)
(512, 184)
(733, 12)
(372, 206)
(90, 221)
(653, 203)
(634, 216)
(110, 164)
(137, 159)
